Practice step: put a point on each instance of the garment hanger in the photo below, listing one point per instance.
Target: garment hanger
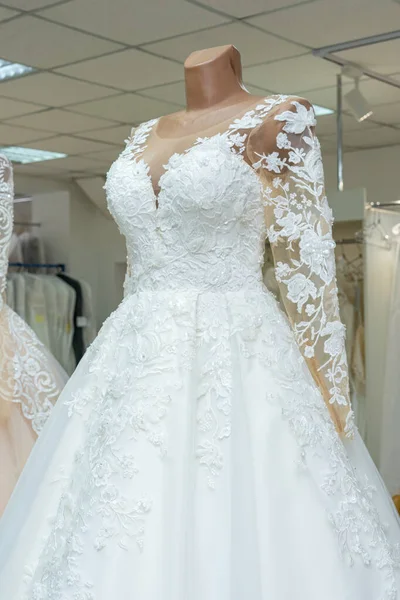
(384, 240)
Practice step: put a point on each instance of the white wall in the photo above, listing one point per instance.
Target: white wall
(78, 234)
(96, 251)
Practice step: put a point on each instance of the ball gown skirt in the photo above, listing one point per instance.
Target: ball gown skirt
(199, 461)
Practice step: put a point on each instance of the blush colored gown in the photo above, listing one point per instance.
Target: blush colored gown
(192, 455)
(30, 379)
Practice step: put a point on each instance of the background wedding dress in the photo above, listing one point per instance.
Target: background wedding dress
(192, 455)
(30, 379)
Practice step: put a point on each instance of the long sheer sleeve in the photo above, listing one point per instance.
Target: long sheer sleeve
(299, 225)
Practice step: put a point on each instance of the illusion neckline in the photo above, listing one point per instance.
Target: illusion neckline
(197, 142)
(196, 134)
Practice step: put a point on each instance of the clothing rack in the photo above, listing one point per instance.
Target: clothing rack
(23, 224)
(59, 266)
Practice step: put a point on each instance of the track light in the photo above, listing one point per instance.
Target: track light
(354, 99)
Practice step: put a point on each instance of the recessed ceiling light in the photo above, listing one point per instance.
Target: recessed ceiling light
(9, 70)
(24, 156)
(321, 111)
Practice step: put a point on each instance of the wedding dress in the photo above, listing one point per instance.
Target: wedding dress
(30, 379)
(191, 455)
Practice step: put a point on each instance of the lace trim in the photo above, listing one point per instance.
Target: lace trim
(119, 408)
(26, 376)
(360, 532)
(301, 232)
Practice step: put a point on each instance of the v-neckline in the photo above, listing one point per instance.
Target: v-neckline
(267, 104)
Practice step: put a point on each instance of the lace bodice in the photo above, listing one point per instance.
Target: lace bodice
(208, 225)
(205, 229)
(6, 219)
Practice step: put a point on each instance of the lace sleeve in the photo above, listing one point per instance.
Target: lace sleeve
(6, 219)
(299, 225)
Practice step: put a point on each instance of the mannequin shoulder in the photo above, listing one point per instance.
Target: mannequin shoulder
(292, 117)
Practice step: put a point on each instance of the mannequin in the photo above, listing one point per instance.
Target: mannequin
(215, 97)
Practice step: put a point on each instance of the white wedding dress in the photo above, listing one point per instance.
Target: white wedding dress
(192, 456)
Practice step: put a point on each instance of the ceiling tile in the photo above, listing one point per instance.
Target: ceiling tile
(106, 156)
(42, 169)
(255, 45)
(328, 144)
(387, 113)
(68, 145)
(171, 92)
(149, 21)
(29, 4)
(75, 163)
(377, 92)
(128, 70)
(58, 45)
(60, 121)
(250, 7)
(6, 13)
(128, 108)
(324, 22)
(114, 135)
(372, 138)
(13, 108)
(291, 75)
(323, 96)
(382, 58)
(11, 135)
(326, 125)
(175, 92)
(102, 169)
(52, 90)
(256, 90)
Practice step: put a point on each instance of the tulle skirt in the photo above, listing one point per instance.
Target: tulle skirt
(30, 383)
(191, 457)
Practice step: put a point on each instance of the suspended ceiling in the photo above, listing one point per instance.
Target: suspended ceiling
(104, 65)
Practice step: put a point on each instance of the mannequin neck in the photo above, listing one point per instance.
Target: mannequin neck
(213, 77)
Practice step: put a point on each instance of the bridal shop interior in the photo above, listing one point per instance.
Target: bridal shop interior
(77, 75)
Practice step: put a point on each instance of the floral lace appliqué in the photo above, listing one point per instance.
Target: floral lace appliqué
(301, 234)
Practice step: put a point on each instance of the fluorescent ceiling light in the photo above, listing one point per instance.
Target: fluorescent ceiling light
(321, 111)
(10, 70)
(24, 156)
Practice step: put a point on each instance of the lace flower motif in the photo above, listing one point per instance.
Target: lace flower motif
(302, 231)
